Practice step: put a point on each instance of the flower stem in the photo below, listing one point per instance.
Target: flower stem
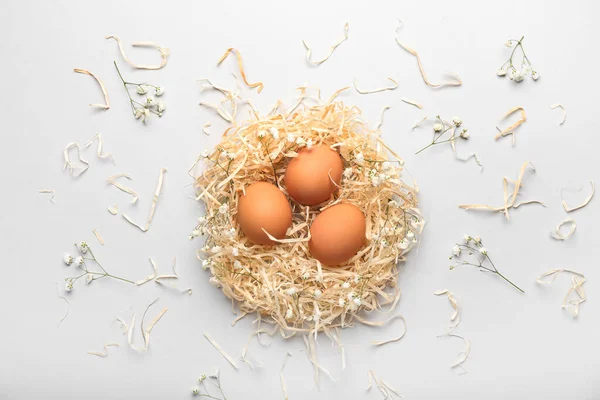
(507, 280)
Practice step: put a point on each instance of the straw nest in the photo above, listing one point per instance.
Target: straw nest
(282, 282)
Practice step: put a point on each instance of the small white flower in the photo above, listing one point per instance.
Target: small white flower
(501, 72)
(205, 153)
(235, 251)
(141, 90)
(309, 144)
(456, 250)
(291, 291)
(216, 249)
(83, 246)
(376, 181)
(89, 279)
(138, 113)
(160, 107)
(465, 134)
(477, 239)
(201, 220)
(375, 236)
(438, 127)
(483, 251)
(237, 264)
(205, 264)
(78, 261)
(146, 113)
(508, 43)
(403, 245)
(317, 294)
(230, 233)
(356, 278)
(274, 132)
(289, 314)
(305, 275)
(202, 378)
(351, 296)
(195, 391)
(359, 158)
(457, 121)
(159, 91)
(341, 302)
(345, 285)
(387, 166)
(68, 259)
(300, 141)
(357, 301)
(261, 134)
(215, 282)
(410, 235)
(69, 285)
(149, 101)
(385, 243)
(518, 76)
(535, 76)
(348, 173)
(393, 203)
(224, 208)
(467, 238)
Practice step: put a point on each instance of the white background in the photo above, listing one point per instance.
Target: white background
(523, 346)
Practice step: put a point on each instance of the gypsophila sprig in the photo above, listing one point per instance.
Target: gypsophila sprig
(445, 132)
(81, 261)
(213, 380)
(149, 104)
(509, 67)
(471, 252)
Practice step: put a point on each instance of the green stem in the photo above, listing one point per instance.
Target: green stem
(507, 280)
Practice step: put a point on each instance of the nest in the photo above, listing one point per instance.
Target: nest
(282, 282)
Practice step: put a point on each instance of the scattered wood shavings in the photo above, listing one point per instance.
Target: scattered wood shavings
(564, 118)
(457, 81)
(206, 125)
(50, 192)
(153, 206)
(413, 103)
(558, 235)
(393, 87)
(113, 209)
(113, 181)
(66, 314)
(416, 124)
(247, 346)
(151, 276)
(386, 390)
(455, 317)
(585, 202)
(105, 352)
(282, 378)
(164, 53)
(510, 130)
(105, 106)
(509, 201)
(382, 323)
(311, 353)
(145, 332)
(331, 50)
(99, 153)
(258, 85)
(97, 234)
(68, 163)
(221, 351)
(463, 355)
(577, 279)
(381, 118)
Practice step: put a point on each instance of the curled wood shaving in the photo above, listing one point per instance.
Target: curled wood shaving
(416, 124)
(393, 87)
(564, 118)
(113, 181)
(382, 323)
(113, 209)
(386, 390)
(558, 235)
(511, 128)
(153, 206)
(97, 234)
(258, 85)
(145, 332)
(164, 53)
(509, 201)
(331, 50)
(455, 317)
(311, 352)
(585, 202)
(206, 125)
(282, 378)
(105, 352)
(66, 314)
(99, 153)
(151, 276)
(50, 192)
(221, 351)
(554, 273)
(247, 346)
(577, 279)
(381, 118)
(105, 106)
(70, 164)
(457, 82)
(463, 355)
(413, 103)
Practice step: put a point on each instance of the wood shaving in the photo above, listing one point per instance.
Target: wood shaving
(510, 130)
(564, 118)
(463, 355)
(221, 351)
(331, 50)
(247, 346)
(509, 201)
(145, 332)
(105, 106)
(282, 378)
(151, 276)
(558, 235)
(386, 390)
(66, 314)
(68, 163)
(258, 85)
(50, 192)
(113, 209)
(99, 153)
(105, 352)
(457, 81)
(585, 202)
(206, 125)
(164, 53)
(382, 323)
(393, 87)
(416, 124)
(97, 234)
(455, 317)
(577, 279)
(311, 353)
(113, 181)
(413, 103)
(381, 117)
(153, 206)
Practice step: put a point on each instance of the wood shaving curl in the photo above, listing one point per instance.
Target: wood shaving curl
(381, 117)
(50, 192)
(99, 153)
(386, 390)
(455, 317)
(457, 82)
(97, 234)
(382, 323)
(510, 130)
(463, 355)
(68, 163)
(564, 118)
(206, 125)
(558, 235)
(66, 314)
(412, 103)
(258, 85)
(282, 378)
(151, 276)
(145, 332)
(152, 207)
(416, 124)
(577, 279)
(113, 209)
(585, 202)
(105, 106)
(221, 351)
(331, 50)
(105, 352)
(113, 181)
(393, 87)
(164, 53)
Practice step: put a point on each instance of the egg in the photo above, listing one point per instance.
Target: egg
(337, 234)
(307, 176)
(264, 206)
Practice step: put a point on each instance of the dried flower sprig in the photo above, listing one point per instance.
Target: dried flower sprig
(215, 380)
(474, 247)
(517, 75)
(441, 127)
(143, 110)
(86, 254)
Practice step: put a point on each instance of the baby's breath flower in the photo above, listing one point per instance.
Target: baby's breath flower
(341, 302)
(518, 76)
(508, 43)
(69, 285)
(483, 251)
(351, 296)
(535, 76)
(261, 134)
(195, 391)
(305, 275)
(141, 90)
(78, 261)
(289, 314)
(309, 144)
(83, 246)
(290, 138)
(146, 113)
(300, 141)
(68, 259)
(501, 72)
(403, 244)
(477, 239)
(138, 113)
(456, 250)
(216, 249)
(224, 208)
(291, 291)
(375, 236)
(467, 239)
(150, 101)
(465, 134)
(357, 301)
(159, 91)
(359, 158)
(201, 220)
(348, 173)
(345, 285)
(206, 264)
(457, 121)
(160, 107)
(438, 127)
(410, 235)
(317, 294)
(235, 252)
(385, 243)
(202, 378)
(274, 132)
(237, 264)
(357, 278)
(205, 153)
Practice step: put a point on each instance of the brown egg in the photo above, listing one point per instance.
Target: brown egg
(307, 176)
(337, 234)
(264, 206)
